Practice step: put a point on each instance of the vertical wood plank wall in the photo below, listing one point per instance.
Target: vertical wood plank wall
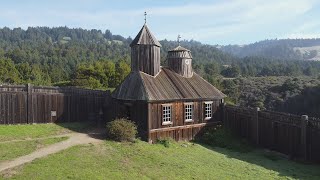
(180, 129)
(28, 104)
(285, 133)
(136, 111)
(145, 58)
(179, 66)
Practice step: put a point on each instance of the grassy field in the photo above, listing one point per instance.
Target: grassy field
(19, 140)
(11, 150)
(140, 160)
(18, 132)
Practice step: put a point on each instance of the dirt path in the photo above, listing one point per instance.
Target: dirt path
(34, 139)
(74, 139)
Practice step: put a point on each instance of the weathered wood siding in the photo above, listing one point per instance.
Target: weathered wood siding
(28, 104)
(186, 130)
(179, 133)
(13, 108)
(313, 139)
(136, 111)
(177, 62)
(289, 134)
(145, 58)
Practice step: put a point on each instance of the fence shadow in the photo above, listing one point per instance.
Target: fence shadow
(92, 129)
(240, 148)
(271, 161)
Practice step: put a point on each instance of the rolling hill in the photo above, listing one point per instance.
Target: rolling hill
(286, 49)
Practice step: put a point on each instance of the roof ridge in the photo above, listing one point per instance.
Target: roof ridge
(167, 85)
(173, 82)
(179, 48)
(144, 86)
(145, 36)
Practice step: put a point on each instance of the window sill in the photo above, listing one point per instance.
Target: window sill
(166, 123)
(207, 118)
(189, 120)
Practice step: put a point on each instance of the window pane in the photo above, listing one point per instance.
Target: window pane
(166, 113)
(188, 111)
(208, 110)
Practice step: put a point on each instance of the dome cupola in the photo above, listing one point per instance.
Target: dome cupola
(180, 61)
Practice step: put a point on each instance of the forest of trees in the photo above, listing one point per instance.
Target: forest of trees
(64, 56)
(44, 56)
(100, 60)
(298, 95)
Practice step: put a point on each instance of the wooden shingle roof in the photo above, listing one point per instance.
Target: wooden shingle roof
(179, 52)
(167, 85)
(179, 48)
(145, 37)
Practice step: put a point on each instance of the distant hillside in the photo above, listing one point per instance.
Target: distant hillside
(44, 55)
(286, 49)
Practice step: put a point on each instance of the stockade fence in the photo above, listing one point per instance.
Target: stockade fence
(28, 104)
(293, 135)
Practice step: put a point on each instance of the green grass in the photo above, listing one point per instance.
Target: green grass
(140, 160)
(11, 150)
(15, 132)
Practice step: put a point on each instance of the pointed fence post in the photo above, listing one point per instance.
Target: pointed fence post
(256, 119)
(223, 114)
(304, 123)
(29, 104)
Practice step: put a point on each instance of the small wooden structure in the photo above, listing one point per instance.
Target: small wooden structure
(168, 101)
(180, 61)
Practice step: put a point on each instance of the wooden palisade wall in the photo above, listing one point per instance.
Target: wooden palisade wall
(38, 104)
(293, 135)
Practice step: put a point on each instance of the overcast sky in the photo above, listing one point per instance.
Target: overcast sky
(213, 22)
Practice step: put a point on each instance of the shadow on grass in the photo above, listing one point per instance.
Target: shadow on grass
(90, 128)
(272, 161)
(223, 141)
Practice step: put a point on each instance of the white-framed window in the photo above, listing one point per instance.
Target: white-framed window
(166, 114)
(208, 109)
(188, 111)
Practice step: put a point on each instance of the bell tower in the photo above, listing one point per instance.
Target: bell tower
(145, 52)
(180, 61)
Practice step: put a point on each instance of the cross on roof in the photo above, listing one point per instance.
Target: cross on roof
(178, 39)
(145, 17)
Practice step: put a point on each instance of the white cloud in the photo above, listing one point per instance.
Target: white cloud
(243, 16)
(307, 26)
(200, 21)
(302, 35)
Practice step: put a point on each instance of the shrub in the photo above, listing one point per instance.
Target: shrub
(122, 130)
(165, 142)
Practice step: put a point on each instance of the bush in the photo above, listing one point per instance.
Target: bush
(122, 130)
(165, 142)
